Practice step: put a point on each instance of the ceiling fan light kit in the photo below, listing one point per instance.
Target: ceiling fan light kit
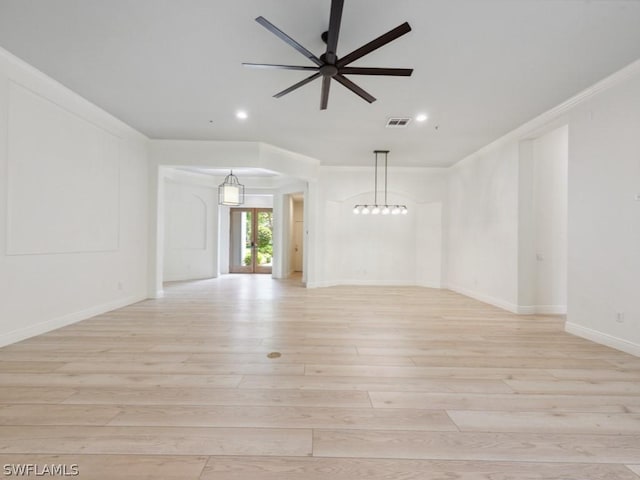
(375, 208)
(328, 66)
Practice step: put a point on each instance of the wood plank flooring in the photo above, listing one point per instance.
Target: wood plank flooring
(373, 383)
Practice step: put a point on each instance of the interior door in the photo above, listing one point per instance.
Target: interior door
(251, 243)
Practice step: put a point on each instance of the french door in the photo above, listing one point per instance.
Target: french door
(251, 243)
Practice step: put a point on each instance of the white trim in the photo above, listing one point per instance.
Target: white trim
(527, 310)
(322, 284)
(496, 302)
(90, 110)
(551, 309)
(538, 122)
(542, 309)
(187, 278)
(603, 338)
(55, 323)
(368, 283)
(511, 307)
(360, 283)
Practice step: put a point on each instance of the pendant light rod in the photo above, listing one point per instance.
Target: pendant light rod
(386, 155)
(375, 194)
(375, 181)
(376, 209)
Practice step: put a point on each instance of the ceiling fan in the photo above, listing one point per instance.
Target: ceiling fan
(328, 65)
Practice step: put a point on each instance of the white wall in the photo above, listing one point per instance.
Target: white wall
(191, 232)
(297, 237)
(378, 250)
(550, 198)
(486, 222)
(604, 216)
(166, 154)
(74, 217)
(73, 206)
(542, 223)
(286, 212)
(482, 226)
(288, 207)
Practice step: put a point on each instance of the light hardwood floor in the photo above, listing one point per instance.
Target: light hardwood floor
(373, 383)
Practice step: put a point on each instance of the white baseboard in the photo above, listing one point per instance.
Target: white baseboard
(511, 307)
(496, 302)
(603, 338)
(526, 310)
(188, 278)
(542, 309)
(363, 283)
(320, 284)
(48, 325)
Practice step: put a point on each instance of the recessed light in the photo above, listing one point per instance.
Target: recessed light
(242, 115)
(421, 117)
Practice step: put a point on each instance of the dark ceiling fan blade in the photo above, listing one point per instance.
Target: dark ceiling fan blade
(355, 88)
(324, 95)
(286, 38)
(335, 19)
(298, 85)
(375, 44)
(282, 67)
(396, 72)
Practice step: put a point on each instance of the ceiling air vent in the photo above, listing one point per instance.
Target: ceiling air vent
(398, 122)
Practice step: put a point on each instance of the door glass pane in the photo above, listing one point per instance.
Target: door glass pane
(241, 258)
(264, 239)
(248, 238)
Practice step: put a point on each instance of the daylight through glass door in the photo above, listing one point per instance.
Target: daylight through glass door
(251, 242)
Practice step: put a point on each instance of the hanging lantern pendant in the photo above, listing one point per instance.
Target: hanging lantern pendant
(231, 191)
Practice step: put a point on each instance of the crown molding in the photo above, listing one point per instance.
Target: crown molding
(558, 111)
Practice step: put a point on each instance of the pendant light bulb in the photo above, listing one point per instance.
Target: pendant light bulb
(376, 208)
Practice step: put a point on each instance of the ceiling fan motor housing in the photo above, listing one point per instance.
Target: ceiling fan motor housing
(328, 66)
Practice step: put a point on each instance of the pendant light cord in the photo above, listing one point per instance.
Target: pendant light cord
(385, 178)
(374, 208)
(375, 184)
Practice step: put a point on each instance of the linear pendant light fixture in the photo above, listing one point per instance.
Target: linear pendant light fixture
(231, 191)
(375, 208)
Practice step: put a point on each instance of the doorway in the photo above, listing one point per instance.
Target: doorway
(295, 235)
(251, 240)
(298, 243)
(543, 223)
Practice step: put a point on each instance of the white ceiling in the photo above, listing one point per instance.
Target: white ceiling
(171, 69)
(241, 172)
